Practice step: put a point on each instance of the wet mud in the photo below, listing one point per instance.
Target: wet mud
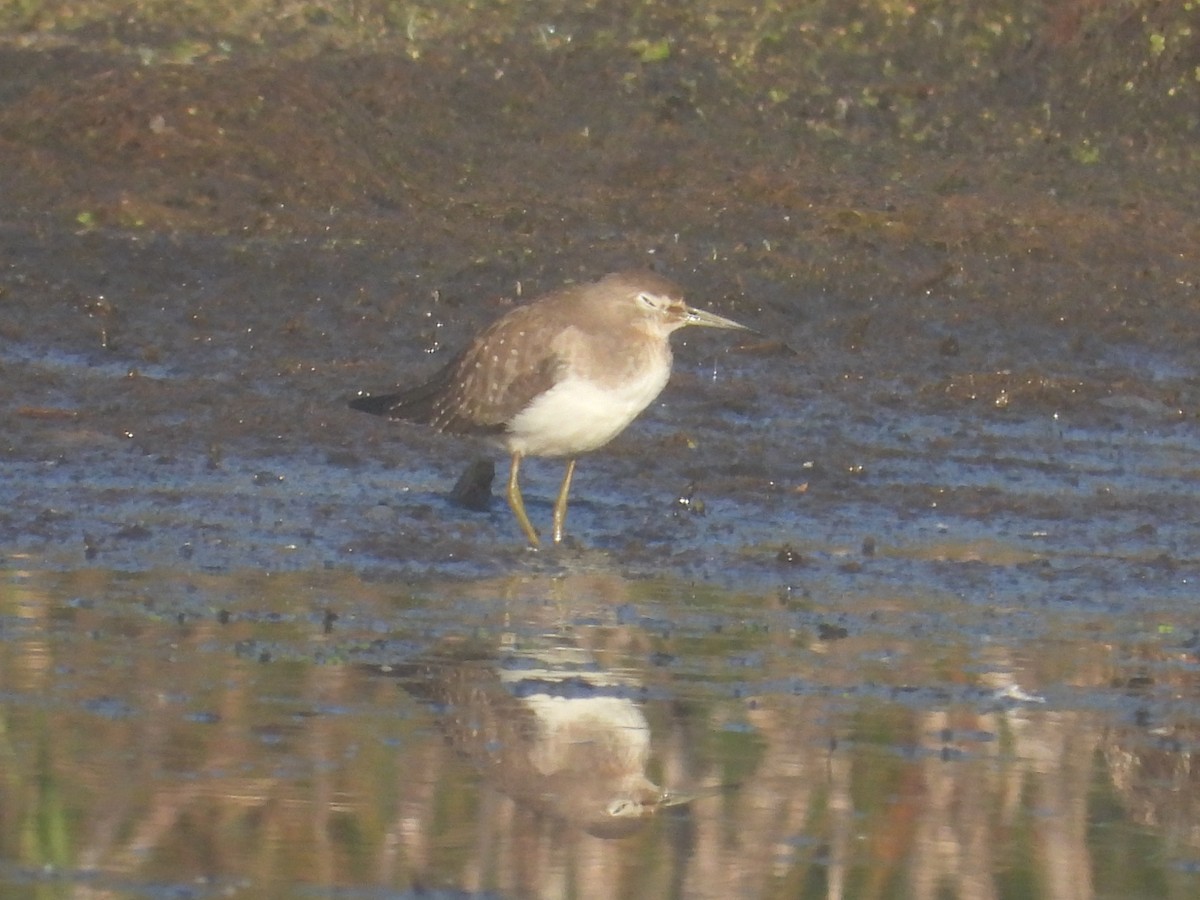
(897, 599)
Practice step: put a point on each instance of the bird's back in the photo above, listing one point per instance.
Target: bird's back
(483, 388)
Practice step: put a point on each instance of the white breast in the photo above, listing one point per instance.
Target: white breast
(576, 416)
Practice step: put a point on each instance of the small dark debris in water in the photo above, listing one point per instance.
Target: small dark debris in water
(1165, 561)
(1134, 682)
(134, 532)
(187, 551)
(252, 650)
(181, 618)
(90, 548)
(674, 108)
(660, 659)
(342, 459)
(473, 490)
(204, 717)
(851, 567)
(827, 632)
(223, 616)
(789, 557)
(949, 347)
(261, 478)
(688, 502)
(327, 621)
(868, 546)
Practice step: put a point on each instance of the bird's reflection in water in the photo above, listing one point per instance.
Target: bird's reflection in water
(548, 727)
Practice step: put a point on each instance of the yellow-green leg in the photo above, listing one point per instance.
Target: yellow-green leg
(560, 505)
(517, 504)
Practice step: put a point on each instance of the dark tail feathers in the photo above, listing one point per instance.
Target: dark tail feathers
(375, 404)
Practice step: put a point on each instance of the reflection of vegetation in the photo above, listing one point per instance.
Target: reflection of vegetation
(138, 747)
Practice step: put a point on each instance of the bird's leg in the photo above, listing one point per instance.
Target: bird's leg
(517, 505)
(560, 505)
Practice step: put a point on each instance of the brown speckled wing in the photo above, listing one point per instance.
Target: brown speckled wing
(484, 387)
(497, 376)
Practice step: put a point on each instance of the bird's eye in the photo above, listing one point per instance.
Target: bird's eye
(654, 301)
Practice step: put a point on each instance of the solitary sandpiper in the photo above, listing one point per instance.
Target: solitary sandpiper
(560, 376)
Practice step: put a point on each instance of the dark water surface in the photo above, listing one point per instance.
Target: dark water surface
(899, 600)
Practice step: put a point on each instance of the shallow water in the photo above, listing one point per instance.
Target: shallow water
(275, 733)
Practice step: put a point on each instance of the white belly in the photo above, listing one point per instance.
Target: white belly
(576, 416)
